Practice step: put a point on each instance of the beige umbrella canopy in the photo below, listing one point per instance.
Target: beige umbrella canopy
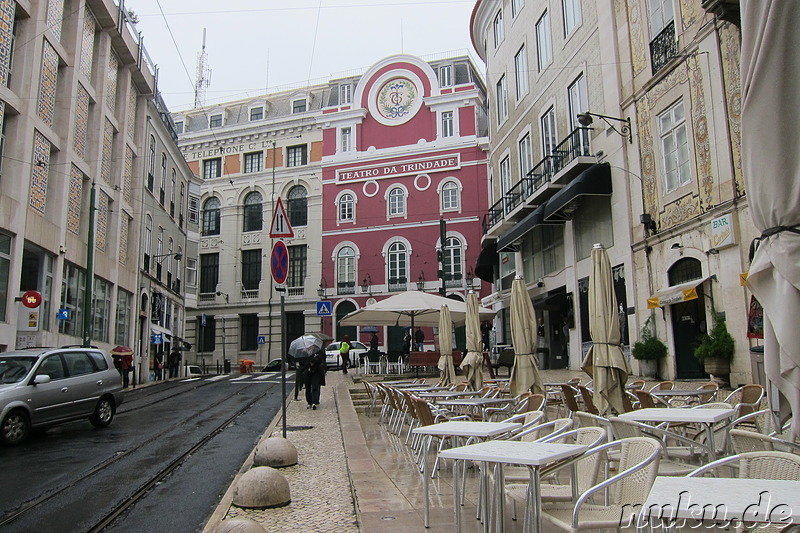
(472, 365)
(525, 372)
(771, 168)
(447, 372)
(410, 308)
(605, 361)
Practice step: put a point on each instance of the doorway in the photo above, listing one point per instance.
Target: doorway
(688, 323)
(341, 310)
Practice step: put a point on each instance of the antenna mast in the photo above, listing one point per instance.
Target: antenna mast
(203, 78)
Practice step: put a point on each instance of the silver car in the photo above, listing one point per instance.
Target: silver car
(45, 386)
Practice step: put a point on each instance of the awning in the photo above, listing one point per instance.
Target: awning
(675, 294)
(594, 181)
(487, 261)
(524, 226)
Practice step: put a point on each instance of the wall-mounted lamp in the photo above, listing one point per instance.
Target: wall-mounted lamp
(712, 251)
(540, 283)
(225, 294)
(366, 284)
(421, 281)
(648, 222)
(470, 278)
(585, 119)
(323, 286)
(178, 256)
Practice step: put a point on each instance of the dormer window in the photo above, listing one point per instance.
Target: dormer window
(345, 94)
(215, 121)
(445, 76)
(179, 127)
(299, 106)
(256, 113)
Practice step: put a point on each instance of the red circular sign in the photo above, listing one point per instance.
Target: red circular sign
(279, 262)
(32, 299)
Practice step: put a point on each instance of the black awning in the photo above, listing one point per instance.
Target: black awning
(488, 261)
(594, 181)
(522, 227)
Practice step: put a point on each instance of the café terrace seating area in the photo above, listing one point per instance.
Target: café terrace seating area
(554, 461)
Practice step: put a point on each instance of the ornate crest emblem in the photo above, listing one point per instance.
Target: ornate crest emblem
(397, 98)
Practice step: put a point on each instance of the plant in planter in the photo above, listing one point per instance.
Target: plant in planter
(649, 348)
(716, 350)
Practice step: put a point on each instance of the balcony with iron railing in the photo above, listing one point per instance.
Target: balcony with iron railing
(398, 284)
(454, 281)
(295, 291)
(568, 159)
(346, 287)
(249, 295)
(663, 48)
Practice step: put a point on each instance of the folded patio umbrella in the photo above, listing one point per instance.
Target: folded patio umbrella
(472, 364)
(447, 372)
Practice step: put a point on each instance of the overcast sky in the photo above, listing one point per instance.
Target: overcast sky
(253, 45)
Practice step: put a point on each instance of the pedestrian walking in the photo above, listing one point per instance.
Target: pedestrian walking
(344, 352)
(299, 375)
(374, 342)
(419, 340)
(127, 365)
(158, 367)
(407, 341)
(174, 363)
(313, 371)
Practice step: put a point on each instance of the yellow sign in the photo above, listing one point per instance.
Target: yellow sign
(743, 278)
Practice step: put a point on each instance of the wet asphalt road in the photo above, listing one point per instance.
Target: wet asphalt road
(72, 476)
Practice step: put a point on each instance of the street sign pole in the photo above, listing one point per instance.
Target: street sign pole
(282, 290)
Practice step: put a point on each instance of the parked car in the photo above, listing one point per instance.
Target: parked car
(193, 371)
(334, 360)
(46, 386)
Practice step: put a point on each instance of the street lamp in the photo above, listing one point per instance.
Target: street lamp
(322, 288)
(225, 294)
(366, 284)
(585, 119)
(178, 256)
(421, 281)
(470, 278)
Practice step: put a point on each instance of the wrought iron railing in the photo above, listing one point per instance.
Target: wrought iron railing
(296, 291)
(398, 284)
(575, 145)
(208, 297)
(663, 48)
(346, 287)
(249, 294)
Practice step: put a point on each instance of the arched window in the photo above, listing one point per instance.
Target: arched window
(211, 216)
(347, 207)
(297, 206)
(684, 270)
(450, 196)
(346, 270)
(453, 262)
(398, 266)
(253, 212)
(152, 171)
(397, 202)
(162, 192)
(148, 240)
(170, 259)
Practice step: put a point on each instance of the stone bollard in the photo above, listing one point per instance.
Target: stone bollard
(239, 525)
(276, 452)
(260, 488)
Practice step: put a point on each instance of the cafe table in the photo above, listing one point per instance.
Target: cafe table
(448, 394)
(667, 395)
(711, 500)
(534, 455)
(474, 403)
(704, 417)
(456, 428)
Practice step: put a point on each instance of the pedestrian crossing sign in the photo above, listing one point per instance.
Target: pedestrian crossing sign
(324, 308)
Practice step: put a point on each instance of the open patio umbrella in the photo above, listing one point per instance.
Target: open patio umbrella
(472, 364)
(447, 372)
(605, 361)
(410, 309)
(771, 164)
(525, 372)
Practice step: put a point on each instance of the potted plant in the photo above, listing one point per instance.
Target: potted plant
(649, 350)
(715, 350)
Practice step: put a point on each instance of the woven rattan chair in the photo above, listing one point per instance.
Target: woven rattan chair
(627, 490)
(663, 385)
(746, 399)
(587, 468)
(588, 400)
(675, 457)
(756, 465)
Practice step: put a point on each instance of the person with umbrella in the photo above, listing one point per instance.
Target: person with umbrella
(308, 352)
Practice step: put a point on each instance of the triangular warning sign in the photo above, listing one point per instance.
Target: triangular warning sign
(280, 226)
(323, 309)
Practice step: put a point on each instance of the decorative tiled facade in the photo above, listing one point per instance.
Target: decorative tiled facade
(638, 27)
(127, 179)
(81, 122)
(7, 8)
(702, 146)
(132, 98)
(41, 159)
(124, 225)
(108, 152)
(74, 202)
(87, 44)
(46, 108)
(730, 46)
(111, 81)
(101, 222)
(55, 16)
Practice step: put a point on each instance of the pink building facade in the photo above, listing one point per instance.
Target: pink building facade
(405, 185)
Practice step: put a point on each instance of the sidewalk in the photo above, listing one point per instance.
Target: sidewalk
(354, 476)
